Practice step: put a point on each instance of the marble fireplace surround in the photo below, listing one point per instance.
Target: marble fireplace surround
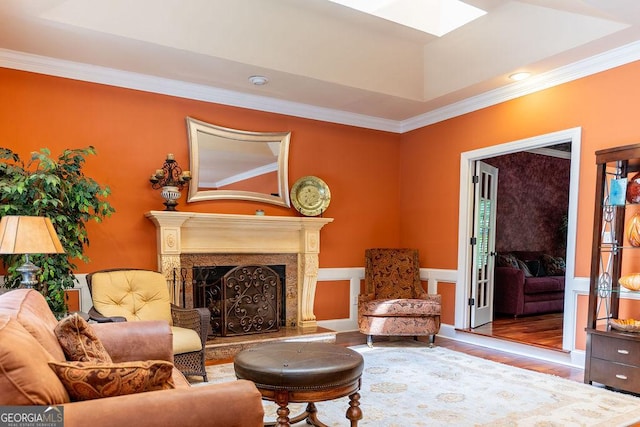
(185, 239)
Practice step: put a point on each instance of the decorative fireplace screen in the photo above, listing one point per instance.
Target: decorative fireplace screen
(246, 299)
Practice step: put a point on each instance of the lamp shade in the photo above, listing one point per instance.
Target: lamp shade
(28, 235)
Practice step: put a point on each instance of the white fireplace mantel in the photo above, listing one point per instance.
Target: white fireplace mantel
(194, 233)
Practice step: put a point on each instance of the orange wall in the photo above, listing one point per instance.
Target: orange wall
(605, 105)
(133, 131)
(387, 189)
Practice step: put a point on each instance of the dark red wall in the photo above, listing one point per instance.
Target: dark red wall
(533, 198)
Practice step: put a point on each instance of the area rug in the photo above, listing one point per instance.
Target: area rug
(406, 384)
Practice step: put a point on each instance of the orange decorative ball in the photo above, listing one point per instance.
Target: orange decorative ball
(633, 230)
(633, 189)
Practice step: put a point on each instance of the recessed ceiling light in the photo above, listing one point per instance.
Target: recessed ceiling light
(520, 76)
(437, 17)
(259, 80)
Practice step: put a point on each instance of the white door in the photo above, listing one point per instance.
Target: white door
(483, 244)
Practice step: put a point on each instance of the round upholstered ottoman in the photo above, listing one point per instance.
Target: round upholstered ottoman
(303, 372)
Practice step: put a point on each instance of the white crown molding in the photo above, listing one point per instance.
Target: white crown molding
(108, 76)
(586, 67)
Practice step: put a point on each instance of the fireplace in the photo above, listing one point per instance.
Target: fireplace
(243, 300)
(188, 239)
(287, 264)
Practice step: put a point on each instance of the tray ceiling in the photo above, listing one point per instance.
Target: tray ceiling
(320, 53)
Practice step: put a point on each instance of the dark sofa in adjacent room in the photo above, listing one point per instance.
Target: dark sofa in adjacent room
(528, 282)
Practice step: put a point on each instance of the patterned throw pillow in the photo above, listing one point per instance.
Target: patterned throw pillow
(525, 269)
(94, 380)
(553, 266)
(78, 340)
(507, 260)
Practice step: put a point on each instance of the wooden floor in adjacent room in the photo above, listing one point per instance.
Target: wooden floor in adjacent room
(544, 330)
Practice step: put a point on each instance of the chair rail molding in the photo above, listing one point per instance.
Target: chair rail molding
(355, 276)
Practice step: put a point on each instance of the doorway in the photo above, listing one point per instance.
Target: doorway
(466, 221)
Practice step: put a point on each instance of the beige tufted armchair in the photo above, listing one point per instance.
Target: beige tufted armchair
(394, 303)
(133, 294)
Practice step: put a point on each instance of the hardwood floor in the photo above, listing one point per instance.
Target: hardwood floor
(571, 373)
(542, 331)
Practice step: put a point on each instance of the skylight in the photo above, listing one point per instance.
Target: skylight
(437, 17)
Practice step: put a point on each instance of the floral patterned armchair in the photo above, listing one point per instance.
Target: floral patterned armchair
(394, 302)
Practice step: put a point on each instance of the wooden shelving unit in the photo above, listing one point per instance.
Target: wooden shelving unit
(612, 356)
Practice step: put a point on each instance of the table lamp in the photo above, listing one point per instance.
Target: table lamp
(28, 235)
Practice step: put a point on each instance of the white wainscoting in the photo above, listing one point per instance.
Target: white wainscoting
(354, 275)
(575, 287)
(85, 295)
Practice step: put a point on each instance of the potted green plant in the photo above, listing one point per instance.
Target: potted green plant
(57, 189)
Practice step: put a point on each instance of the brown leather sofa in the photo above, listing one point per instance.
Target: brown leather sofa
(28, 343)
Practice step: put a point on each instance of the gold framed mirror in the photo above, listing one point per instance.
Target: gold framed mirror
(236, 164)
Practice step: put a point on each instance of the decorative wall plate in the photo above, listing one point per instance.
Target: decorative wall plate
(310, 196)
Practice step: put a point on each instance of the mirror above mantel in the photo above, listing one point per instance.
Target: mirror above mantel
(237, 164)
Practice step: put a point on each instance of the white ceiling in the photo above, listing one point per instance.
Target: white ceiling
(316, 53)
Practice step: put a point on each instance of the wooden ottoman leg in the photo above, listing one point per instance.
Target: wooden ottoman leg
(354, 413)
(282, 399)
(312, 418)
(308, 415)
